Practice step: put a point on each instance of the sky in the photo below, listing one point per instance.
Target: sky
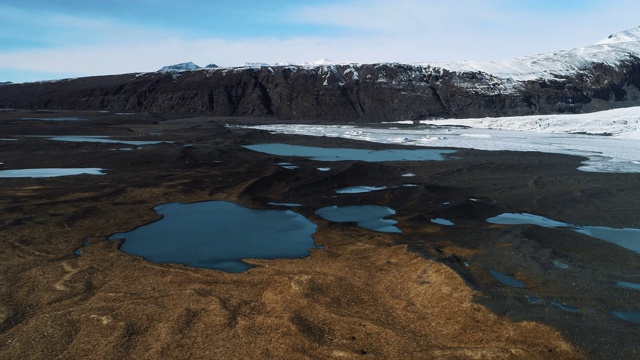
(55, 39)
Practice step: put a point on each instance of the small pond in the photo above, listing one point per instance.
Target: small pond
(49, 172)
(507, 280)
(627, 238)
(370, 217)
(342, 154)
(218, 235)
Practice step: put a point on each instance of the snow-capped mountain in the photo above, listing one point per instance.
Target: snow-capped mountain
(623, 36)
(186, 66)
(602, 76)
(612, 51)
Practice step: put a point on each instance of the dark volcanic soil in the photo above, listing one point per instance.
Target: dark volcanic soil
(425, 293)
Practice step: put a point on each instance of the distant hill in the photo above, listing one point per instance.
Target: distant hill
(601, 76)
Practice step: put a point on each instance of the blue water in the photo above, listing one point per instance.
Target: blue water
(628, 285)
(523, 218)
(359, 189)
(218, 235)
(103, 139)
(370, 217)
(507, 280)
(627, 238)
(441, 221)
(631, 316)
(49, 172)
(342, 154)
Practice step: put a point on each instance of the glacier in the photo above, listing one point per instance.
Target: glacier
(608, 139)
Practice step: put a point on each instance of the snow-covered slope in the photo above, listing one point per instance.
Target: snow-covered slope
(612, 50)
(623, 36)
(619, 123)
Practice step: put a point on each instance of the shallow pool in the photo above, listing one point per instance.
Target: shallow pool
(342, 154)
(218, 235)
(49, 172)
(627, 238)
(370, 217)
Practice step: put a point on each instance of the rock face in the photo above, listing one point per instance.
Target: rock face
(602, 76)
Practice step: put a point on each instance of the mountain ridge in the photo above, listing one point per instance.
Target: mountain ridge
(597, 77)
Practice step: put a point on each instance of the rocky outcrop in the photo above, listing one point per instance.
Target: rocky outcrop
(369, 92)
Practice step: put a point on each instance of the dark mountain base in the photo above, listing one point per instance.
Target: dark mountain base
(369, 92)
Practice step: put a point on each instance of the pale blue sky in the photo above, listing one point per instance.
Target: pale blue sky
(52, 39)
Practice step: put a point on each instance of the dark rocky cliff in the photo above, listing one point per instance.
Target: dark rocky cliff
(373, 92)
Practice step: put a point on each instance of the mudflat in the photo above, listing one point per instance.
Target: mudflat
(430, 291)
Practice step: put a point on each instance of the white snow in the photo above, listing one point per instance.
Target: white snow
(619, 123)
(320, 62)
(623, 36)
(255, 65)
(186, 66)
(612, 51)
(619, 152)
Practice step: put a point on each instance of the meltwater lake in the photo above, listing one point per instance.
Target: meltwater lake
(219, 235)
(344, 154)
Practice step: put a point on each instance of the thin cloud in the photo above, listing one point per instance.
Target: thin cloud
(362, 32)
